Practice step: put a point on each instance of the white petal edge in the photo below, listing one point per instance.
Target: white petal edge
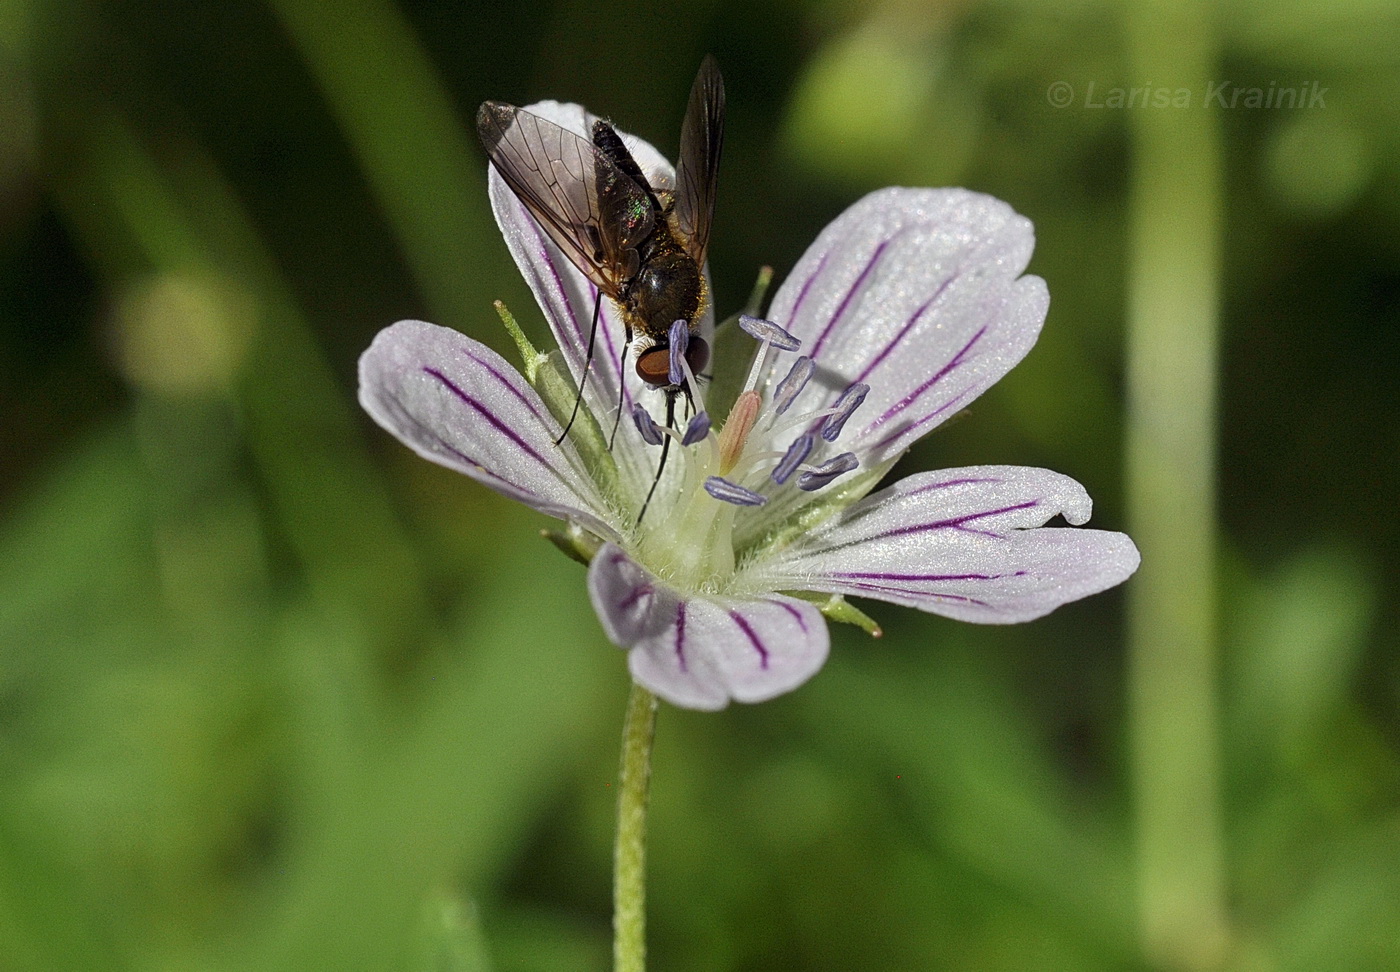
(964, 543)
(458, 403)
(701, 652)
(918, 293)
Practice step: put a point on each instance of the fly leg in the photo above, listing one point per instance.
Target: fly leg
(621, 383)
(587, 363)
(665, 449)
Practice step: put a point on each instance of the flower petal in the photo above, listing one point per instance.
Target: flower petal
(455, 401)
(917, 293)
(567, 298)
(700, 652)
(964, 543)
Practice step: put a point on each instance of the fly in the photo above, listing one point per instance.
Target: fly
(643, 246)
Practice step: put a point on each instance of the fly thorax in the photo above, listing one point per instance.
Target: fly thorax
(668, 288)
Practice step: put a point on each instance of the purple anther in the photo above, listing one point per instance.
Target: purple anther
(680, 340)
(697, 429)
(796, 455)
(649, 430)
(761, 330)
(727, 492)
(827, 471)
(790, 387)
(845, 407)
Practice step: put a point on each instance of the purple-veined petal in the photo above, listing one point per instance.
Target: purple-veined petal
(700, 652)
(455, 401)
(965, 543)
(567, 298)
(919, 294)
(630, 603)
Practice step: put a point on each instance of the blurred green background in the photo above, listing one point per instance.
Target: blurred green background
(277, 695)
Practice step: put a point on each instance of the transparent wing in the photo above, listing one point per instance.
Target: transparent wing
(588, 206)
(702, 138)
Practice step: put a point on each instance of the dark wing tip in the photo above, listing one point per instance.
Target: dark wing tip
(493, 120)
(710, 78)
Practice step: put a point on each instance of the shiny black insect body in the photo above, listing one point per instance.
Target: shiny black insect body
(642, 246)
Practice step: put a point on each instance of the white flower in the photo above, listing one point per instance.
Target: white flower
(912, 300)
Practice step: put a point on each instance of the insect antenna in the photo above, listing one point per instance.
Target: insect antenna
(671, 394)
(583, 375)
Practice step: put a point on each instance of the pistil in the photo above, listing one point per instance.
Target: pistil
(693, 547)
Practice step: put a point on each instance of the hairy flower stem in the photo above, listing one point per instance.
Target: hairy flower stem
(630, 850)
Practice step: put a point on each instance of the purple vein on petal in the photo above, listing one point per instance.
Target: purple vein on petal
(563, 296)
(796, 614)
(890, 589)
(952, 523)
(636, 594)
(508, 384)
(471, 461)
(806, 286)
(846, 301)
(899, 406)
(407, 419)
(745, 627)
(913, 430)
(490, 416)
(580, 335)
(921, 578)
(614, 360)
(908, 326)
(859, 513)
(680, 635)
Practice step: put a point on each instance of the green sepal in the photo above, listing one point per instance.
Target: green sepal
(835, 607)
(754, 304)
(575, 542)
(529, 357)
(556, 387)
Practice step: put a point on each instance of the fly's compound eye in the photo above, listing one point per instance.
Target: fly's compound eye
(654, 366)
(697, 355)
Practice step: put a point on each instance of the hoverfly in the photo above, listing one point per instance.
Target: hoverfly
(642, 245)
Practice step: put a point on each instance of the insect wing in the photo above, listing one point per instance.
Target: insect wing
(588, 206)
(702, 139)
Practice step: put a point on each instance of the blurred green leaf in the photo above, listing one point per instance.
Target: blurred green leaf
(453, 938)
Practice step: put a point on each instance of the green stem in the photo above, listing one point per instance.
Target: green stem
(630, 852)
(1172, 374)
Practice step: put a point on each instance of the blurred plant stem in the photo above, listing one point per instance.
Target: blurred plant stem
(400, 123)
(630, 852)
(1172, 337)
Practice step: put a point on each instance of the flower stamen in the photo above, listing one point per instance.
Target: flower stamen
(768, 333)
(844, 408)
(696, 429)
(725, 491)
(646, 425)
(796, 454)
(680, 340)
(791, 386)
(822, 475)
